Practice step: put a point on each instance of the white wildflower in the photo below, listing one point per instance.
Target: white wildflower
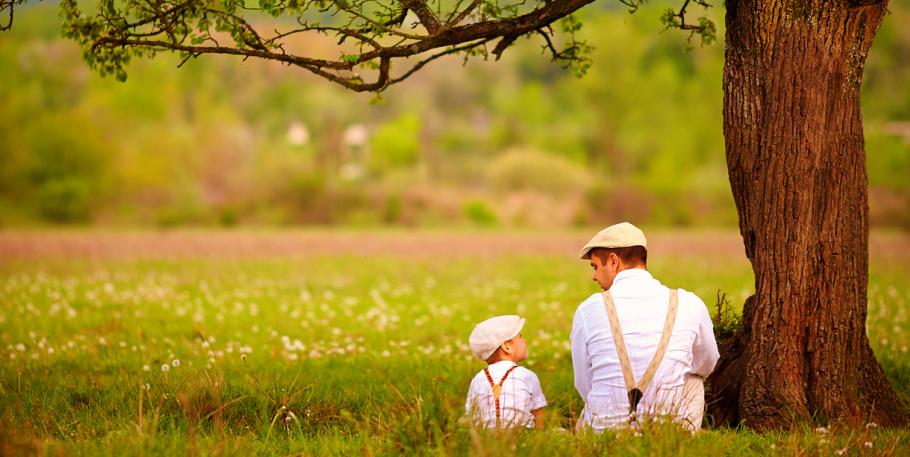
(176, 363)
(165, 367)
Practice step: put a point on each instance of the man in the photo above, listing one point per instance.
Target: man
(641, 307)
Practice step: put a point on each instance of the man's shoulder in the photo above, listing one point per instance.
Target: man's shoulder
(691, 302)
(592, 300)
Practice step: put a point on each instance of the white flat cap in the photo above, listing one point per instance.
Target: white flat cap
(491, 333)
(621, 235)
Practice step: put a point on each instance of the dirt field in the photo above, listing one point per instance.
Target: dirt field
(27, 245)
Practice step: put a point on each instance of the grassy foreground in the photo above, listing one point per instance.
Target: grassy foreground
(339, 354)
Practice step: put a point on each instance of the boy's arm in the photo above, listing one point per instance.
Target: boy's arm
(538, 418)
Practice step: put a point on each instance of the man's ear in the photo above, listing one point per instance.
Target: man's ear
(612, 257)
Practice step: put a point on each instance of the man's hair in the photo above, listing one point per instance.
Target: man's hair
(632, 255)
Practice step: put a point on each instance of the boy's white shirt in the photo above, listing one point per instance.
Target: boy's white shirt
(521, 394)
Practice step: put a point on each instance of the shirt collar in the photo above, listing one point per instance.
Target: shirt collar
(504, 363)
(631, 274)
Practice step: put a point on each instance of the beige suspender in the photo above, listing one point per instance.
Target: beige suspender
(636, 391)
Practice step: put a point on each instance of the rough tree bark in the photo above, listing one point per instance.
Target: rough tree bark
(796, 159)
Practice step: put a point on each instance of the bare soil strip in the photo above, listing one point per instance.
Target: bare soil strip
(182, 244)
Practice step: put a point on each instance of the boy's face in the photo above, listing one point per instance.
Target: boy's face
(518, 348)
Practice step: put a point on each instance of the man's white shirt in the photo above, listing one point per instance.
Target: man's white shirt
(520, 394)
(641, 303)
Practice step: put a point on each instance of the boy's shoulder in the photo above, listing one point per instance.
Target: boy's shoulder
(525, 373)
(519, 371)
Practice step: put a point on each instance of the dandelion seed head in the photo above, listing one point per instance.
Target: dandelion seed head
(165, 367)
(176, 363)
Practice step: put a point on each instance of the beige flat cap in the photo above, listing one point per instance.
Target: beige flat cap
(491, 333)
(621, 235)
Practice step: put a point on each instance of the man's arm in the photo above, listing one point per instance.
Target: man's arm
(579, 339)
(704, 349)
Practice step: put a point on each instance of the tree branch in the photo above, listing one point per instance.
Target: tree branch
(427, 18)
(112, 37)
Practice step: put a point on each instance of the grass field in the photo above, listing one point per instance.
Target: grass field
(317, 343)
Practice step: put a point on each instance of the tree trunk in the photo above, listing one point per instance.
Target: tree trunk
(796, 160)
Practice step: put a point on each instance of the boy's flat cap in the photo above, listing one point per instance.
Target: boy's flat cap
(491, 333)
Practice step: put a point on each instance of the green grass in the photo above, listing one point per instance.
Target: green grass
(337, 355)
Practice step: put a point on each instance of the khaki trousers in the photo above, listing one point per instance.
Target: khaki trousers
(693, 396)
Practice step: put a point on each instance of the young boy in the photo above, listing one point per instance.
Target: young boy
(503, 394)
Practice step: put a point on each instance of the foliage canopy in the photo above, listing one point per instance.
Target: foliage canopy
(375, 34)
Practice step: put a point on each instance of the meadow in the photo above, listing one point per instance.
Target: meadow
(346, 342)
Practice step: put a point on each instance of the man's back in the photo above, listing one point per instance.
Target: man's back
(641, 303)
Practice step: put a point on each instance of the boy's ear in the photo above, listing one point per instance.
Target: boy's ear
(506, 347)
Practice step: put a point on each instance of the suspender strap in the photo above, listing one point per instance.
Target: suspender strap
(497, 388)
(636, 390)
